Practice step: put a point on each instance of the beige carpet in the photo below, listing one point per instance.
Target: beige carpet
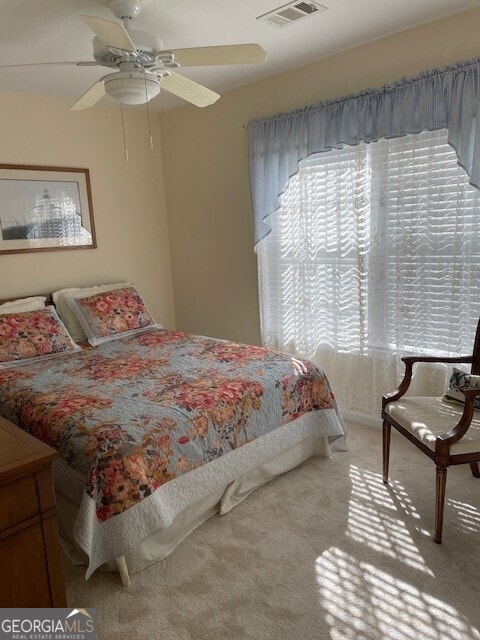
(326, 551)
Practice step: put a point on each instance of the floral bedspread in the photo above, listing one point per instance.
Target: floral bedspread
(134, 413)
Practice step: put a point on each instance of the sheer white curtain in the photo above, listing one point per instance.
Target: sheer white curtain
(374, 254)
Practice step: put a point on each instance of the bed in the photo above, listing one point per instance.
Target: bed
(159, 430)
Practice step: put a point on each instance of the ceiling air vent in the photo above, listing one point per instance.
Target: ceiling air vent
(292, 12)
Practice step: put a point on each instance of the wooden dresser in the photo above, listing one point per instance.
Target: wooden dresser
(30, 559)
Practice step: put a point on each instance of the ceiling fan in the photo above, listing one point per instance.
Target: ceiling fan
(142, 64)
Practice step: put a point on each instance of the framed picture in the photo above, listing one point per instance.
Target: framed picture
(45, 209)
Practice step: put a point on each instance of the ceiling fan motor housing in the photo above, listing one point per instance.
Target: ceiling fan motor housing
(145, 43)
(126, 8)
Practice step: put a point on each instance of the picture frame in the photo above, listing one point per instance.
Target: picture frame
(45, 209)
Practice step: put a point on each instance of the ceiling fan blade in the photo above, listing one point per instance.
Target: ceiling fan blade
(113, 34)
(188, 90)
(228, 54)
(90, 97)
(46, 64)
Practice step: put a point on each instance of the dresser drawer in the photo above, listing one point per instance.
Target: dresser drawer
(22, 556)
(18, 501)
(30, 560)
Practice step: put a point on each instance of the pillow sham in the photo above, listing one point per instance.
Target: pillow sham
(458, 380)
(31, 335)
(111, 314)
(66, 314)
(23, 304)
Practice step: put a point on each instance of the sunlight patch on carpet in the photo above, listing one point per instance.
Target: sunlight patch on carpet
(362, 601)
(467, 516)
(376, 518)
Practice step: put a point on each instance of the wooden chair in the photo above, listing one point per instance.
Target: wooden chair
(448, 434)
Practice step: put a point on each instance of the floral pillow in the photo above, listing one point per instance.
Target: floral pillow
(458, 380)
(111, 314)
(29, 335)
(67, 316)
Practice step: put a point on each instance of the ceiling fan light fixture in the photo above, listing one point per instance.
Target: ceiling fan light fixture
(130, 88)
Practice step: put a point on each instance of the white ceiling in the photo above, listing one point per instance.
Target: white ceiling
(50, 30)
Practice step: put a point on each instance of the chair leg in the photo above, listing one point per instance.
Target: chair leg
(475, 469)
(440, 502)
(387, 428)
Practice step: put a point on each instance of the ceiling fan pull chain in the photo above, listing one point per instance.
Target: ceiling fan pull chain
(124, 135)
(148, 114)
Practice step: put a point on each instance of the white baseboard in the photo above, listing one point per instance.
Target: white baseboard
(362, 418)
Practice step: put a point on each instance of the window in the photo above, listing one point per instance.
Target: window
(374, 250)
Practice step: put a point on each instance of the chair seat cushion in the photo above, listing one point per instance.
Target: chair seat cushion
(426, 418)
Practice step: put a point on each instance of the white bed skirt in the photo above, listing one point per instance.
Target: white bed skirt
(222, 500)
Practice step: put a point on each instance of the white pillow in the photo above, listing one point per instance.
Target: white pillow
(23, 304)
(66, 314)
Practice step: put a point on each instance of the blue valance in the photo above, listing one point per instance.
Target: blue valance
(444, 98)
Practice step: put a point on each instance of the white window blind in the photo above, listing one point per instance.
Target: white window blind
(374, 250)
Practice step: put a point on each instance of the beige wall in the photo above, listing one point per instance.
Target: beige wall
(206, 178)
(128, 199)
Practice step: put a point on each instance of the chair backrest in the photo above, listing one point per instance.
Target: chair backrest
(476, 352)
